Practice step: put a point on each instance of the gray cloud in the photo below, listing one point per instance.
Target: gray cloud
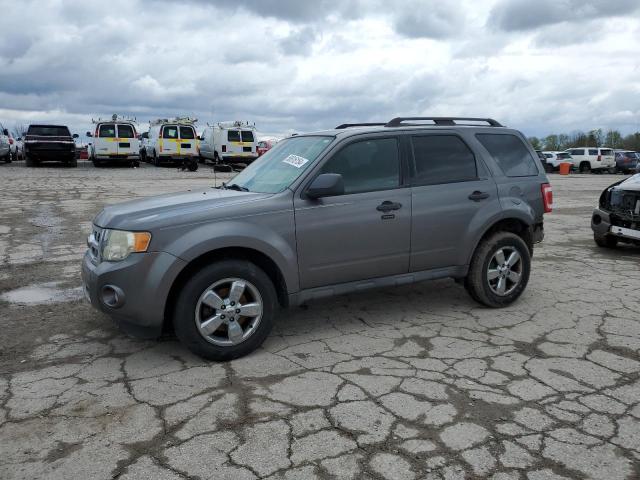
(516, 15)
(428, 19)
(311, 65)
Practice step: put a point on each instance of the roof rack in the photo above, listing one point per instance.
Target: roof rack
(178, 120)
(399, 121)
(116, 118)
(349, 125)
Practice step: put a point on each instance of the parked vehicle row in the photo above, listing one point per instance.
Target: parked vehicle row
(5, 147)
(593, 159)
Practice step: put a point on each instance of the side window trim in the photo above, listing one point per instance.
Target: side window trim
(357, 139)
(412, 160)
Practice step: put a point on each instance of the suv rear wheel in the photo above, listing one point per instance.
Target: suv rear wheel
(585, 167)
(499, 270)
(225, 310)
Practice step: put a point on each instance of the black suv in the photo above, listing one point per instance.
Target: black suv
(50, 143)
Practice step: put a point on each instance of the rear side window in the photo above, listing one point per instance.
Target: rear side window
(107, 131)
(125, 131)
(442, 159)
(593, 151)
(367, 166)
(577, 151)
(606, 151)
(510, 153)
(48, 131)
(187, 132)
(233, 135)
(170, 132)
(247, 136)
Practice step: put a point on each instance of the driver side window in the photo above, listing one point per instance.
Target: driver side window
(367, 165)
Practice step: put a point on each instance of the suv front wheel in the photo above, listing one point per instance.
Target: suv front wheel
(225, 310)
(499, 271)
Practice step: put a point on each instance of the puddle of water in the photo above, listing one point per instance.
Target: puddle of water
(41, 293)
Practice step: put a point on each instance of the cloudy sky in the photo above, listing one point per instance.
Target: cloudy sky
(297, 65)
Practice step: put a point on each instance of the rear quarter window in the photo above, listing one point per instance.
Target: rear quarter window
(170, 132)
(125, 131)
(107, 131)
(187, 133)
(510, 153)
(606, 151)
(247, 136)
(577, 151)
(593, 151)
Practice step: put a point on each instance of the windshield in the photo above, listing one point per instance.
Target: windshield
(48, 131)
(279, 167)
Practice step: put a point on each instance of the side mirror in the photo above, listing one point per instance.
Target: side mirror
(75, 135)
(89, 134)
(5, 132)
(326, 185)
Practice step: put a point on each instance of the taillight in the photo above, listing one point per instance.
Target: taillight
(224, 149)
(10, 141)
(547, 197)
(599, 158)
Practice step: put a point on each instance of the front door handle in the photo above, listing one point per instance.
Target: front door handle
(477, 196)
(387, 206)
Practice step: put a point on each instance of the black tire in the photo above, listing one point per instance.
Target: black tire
(548, 168)
(184, 312)
(216, 158)
(606, 241)
(585, 167)
(7, 158)
(156, 159)
(73, 163)
(477, 283)
(143, 155)
(28, 161)
(192, 166)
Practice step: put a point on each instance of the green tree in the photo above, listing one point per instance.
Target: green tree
(613, 139)
(551, 142)
(535, 143)
(632, 142)
(564, 141)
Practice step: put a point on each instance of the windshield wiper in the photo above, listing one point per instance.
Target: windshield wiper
(235, 186)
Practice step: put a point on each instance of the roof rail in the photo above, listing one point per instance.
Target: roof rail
(349, 125)
(399, 121)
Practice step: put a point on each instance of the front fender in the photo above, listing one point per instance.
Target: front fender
(276, 243)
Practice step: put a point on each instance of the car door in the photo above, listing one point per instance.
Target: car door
(169, 142)
(106, 141)
(452, 197)
(127, 142)
(187, 143)
(363, 233)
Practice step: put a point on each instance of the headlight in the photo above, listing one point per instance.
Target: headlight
(118, 244)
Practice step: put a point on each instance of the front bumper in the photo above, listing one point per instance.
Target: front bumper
(602, 226)
(143, 281)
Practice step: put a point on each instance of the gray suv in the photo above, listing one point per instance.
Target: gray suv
(322, 214)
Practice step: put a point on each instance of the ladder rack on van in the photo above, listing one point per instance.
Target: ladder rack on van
(177, 120)
(115, 118)
(234, 124)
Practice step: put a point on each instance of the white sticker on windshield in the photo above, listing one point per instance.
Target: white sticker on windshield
(296, 160)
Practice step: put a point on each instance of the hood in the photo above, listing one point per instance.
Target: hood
(174, 209)
(631, 184)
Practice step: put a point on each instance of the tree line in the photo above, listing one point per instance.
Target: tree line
(593, 138)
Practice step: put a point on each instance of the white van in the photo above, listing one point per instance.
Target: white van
(587, 159)
(114, 140)
(229, 142)
(173, 141)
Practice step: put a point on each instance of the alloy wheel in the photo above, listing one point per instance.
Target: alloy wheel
(228, 311)
(504, 271)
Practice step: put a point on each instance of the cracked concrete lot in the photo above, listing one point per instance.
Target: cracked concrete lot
(413, 383)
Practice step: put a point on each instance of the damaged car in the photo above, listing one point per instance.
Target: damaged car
(617, 218)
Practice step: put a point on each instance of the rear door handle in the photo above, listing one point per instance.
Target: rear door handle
(388, 206)
(477, 196)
